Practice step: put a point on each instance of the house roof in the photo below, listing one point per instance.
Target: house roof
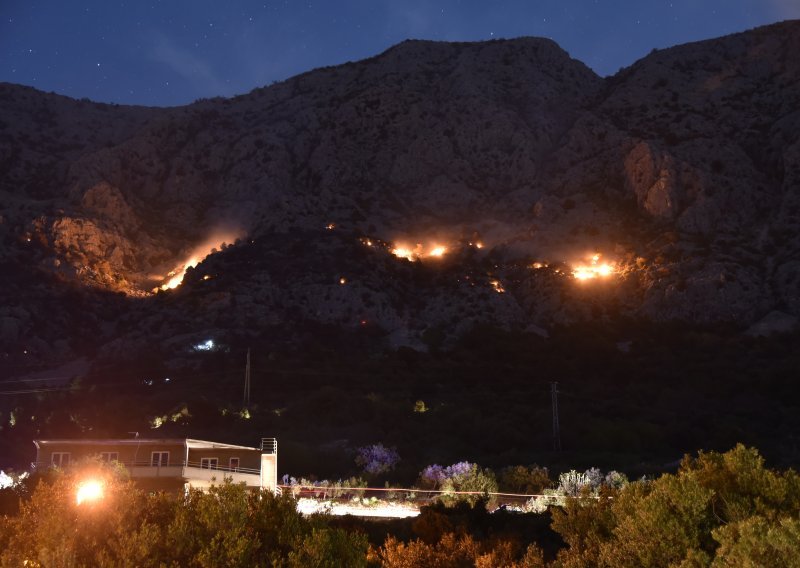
(189, 442)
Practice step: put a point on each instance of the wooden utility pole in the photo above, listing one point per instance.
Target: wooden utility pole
(556, 429)
(246, 402)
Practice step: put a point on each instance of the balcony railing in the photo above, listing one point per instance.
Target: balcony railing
(171, 469)
(200, 465)
(269, 445)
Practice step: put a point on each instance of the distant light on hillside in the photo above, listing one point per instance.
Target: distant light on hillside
(207, 345)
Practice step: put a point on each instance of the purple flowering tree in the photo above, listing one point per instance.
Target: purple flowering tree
(432, 476)
(376, 459)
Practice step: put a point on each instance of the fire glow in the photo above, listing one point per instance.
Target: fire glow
(200, 253)
(419, 251)
(595, 269)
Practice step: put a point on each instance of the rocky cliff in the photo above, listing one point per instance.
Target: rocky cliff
(681, 171)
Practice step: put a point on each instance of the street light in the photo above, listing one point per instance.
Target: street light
(89, 490)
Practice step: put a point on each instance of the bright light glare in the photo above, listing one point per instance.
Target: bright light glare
(90, 490)
(385, 510)
(595, 269)
(207, 345)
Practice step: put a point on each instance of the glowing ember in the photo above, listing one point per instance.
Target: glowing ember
(498, 286)
(438, 250)
(342, 280)
(91, 490)
(330, 226)
(405, 252)
(595, 269)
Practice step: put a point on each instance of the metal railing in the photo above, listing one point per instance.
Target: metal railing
(269, 445)
(130, 466)
(48, 465)
(224, 469)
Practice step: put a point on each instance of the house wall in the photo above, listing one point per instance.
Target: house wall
(269, 471)
(128, 453)
(248, 459)
(176, 475)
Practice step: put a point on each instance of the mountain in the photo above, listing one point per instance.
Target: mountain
(682, 172)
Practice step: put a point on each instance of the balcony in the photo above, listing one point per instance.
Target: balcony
(193, 473)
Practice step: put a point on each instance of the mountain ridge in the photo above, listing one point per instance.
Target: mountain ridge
(682, 169)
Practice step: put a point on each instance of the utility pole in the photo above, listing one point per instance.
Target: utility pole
(556, 430)
(246, 402)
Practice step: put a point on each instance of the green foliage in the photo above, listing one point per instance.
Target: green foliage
(330, 548)
(227, 525)
(521, 479)
(718, 507)
(51, 529)
(470, 484)
(719, 510)
(454, 551)
(758, 542)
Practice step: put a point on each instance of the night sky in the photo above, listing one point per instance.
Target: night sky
(173, 52)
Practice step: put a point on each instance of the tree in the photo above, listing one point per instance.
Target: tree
(377, 459)
(758, 542)
(521, 479)
(718, 507)
(465, 481)
(330, 548)
(52, 529)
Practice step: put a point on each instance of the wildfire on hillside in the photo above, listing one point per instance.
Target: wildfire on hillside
(593, 269)
(213, 244)
(419, 251)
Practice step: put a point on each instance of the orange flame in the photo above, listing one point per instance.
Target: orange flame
(595, 269)
(404, 251)
(199, 254)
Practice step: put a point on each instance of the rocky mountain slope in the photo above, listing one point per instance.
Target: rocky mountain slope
(681, 171)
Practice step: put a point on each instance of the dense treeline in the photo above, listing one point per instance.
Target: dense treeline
(718, 510)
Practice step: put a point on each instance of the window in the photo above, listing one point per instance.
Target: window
(209, 463)
(234, 464)
(59, 459)
(159, 459)
(109, 456)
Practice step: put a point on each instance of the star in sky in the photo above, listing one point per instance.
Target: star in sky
(168, 53)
